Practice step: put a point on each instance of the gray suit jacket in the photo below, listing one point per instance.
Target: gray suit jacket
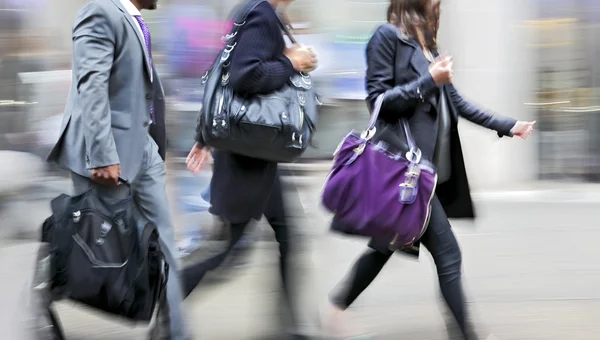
(107, 117)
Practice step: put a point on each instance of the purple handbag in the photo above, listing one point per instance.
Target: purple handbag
(379, 193)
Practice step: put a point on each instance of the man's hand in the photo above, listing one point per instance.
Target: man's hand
(108, 175)
(197, 158)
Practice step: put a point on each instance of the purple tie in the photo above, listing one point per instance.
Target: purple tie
(148, 41)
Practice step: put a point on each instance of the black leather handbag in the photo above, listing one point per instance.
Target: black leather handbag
(276, 127)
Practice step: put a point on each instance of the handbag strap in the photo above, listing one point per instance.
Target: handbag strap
(403, 124)
(286, 29)
(239, 19)
(243, 12)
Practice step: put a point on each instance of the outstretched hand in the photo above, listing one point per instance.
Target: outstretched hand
(523, 129)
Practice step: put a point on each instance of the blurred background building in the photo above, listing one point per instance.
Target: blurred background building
(531, 59)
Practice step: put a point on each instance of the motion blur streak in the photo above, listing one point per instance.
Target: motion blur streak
(530, 257)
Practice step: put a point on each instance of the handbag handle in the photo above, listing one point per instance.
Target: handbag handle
(242, 14)
(239, 19)
(286, 29)
(414, 154)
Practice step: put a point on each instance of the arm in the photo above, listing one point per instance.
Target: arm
(254, 70)
(381, 59)
(503, 125)
(93, 48)
(198, 136)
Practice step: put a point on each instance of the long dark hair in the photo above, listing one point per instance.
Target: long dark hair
(419, 19)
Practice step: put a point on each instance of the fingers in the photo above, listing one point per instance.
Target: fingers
(190, 156)
(106, 178)
(444, 60)
(195, 163)
(527, 131)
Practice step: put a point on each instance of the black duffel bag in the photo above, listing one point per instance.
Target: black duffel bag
(276, 127)
(99, 257)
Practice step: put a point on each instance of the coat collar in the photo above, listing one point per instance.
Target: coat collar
(418, 61)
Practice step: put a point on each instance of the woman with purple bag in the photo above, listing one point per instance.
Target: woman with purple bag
(401, 179)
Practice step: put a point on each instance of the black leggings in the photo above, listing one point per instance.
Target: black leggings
(441, 243)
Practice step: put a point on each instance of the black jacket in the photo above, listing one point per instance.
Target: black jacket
(241, 186)
(397, 66)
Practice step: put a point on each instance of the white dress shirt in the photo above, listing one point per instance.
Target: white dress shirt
(133, 11)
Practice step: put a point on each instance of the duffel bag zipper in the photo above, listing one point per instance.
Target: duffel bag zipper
(95, 262)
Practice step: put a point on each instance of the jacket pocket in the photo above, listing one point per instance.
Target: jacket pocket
(120, 120)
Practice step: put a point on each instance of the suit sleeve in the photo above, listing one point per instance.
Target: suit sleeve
(93, 50)
(502, 125)
(253, 67)
(381, 59)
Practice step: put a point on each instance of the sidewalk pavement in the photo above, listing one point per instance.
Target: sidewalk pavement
(402, 303)
(531, 268)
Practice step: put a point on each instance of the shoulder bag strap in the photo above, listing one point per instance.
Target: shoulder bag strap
(286, 29)
(239, 16)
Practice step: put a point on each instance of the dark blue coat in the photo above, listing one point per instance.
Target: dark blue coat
(241, 186)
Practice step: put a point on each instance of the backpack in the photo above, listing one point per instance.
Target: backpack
(100, 257)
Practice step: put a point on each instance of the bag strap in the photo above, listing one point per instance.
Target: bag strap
(414, 150)
(403, 123)
(239, 18)
(286, 29)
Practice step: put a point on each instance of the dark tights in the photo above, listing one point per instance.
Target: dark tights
(275, 213)
(441, 243)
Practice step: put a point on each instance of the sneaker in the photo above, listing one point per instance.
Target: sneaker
(195, 203)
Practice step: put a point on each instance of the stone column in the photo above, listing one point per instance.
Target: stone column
(493, 69)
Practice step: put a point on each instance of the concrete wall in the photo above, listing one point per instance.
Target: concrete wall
(494, 69)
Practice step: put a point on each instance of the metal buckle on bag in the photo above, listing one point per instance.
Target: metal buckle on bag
(225, 78)
(305, 78)
(227, 51)
(414, 155)
(228, 37)
(205, 77)
(104, 230)
(359, 149)
(368, 134)
(77, 216)
(411, 180)
(415, 171)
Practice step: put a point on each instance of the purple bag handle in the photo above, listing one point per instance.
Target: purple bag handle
(414, 154)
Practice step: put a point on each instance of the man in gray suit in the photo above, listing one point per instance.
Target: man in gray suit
(115, 108)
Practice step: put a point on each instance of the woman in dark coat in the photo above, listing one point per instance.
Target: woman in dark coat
(403, 63)
(242, 188)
